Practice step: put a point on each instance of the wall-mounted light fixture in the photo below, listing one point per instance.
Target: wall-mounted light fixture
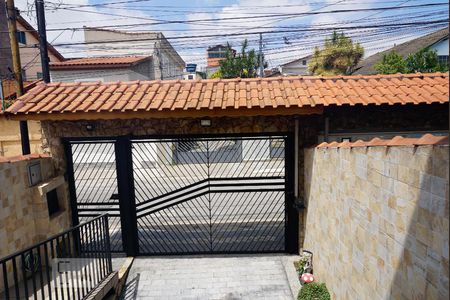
(90, 127)
(205, 122)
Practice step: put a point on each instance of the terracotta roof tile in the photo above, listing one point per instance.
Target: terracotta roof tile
(427, 139)
(98, 62)
(11, 159)
(267, 93)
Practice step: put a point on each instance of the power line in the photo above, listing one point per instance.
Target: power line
(163, 22)
(440, 21)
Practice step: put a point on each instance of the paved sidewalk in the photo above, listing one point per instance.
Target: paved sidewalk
(208, 278)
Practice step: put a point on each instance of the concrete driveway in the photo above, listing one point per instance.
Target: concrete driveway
(211, 277)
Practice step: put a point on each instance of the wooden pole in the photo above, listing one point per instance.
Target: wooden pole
(17, 69)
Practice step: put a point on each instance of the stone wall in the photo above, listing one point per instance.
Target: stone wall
(377, 221)
(53, 131)
(24, 217)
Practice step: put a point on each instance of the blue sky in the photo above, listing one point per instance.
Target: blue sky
(65, 17)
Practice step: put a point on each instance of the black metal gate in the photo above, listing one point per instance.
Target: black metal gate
(92, 166)
(230, 194)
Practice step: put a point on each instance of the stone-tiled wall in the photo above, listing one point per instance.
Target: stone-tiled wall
(24, 218)
(54, 131)
(377, 221)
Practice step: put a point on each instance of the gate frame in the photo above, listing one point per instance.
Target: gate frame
(125, 182)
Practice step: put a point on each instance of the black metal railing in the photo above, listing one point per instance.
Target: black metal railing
(66, 266)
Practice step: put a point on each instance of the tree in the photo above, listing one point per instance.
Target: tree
(243, 65)
(425, 61)
(216, 74)
(391, 63)
(339, 56)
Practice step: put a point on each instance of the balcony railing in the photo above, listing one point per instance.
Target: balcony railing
(69, 265)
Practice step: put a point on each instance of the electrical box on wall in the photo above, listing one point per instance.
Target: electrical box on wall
(34, 173)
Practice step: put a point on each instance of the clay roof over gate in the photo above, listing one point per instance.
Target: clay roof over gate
(226, 97)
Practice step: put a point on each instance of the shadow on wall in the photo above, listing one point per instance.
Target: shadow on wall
(378, 221)
(422, 267)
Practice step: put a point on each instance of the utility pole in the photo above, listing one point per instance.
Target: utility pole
(40, 14)
(12, 29)
(261, 67)
(2, 97)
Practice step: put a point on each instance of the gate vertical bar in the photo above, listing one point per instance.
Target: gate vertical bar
(291, 229)
(71, 181)
(70, 178)
(127, 202)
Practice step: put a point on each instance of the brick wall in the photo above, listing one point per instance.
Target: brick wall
(377, 221)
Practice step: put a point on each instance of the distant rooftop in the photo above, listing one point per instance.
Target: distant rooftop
(365, 67)
(96, 62)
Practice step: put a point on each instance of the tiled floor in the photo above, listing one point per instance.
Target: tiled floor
(208, 277)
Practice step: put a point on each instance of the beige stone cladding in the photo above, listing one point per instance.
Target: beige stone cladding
(24, 217)
(378, 221)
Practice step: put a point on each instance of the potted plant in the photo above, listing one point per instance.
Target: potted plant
(314, 291)
(304, 265)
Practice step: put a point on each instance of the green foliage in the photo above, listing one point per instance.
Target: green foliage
(391, 63)
(216, 74)
(425, 61)
(301, 265)
(244, 65)
(338, 57)
(314, 291)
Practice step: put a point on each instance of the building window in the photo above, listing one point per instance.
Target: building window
(39, 75)
(219, 54)
(52, 202)
(304, 62)
(190, 77)
(21, 37)
(443, 59)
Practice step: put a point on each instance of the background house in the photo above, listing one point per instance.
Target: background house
(191, 73)
(125, 68)
(437, 41)
(167, 63)
(296, 67)
(28, 38)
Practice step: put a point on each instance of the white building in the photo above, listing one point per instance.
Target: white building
(118, 68)
(295, 67)
(167, 63)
